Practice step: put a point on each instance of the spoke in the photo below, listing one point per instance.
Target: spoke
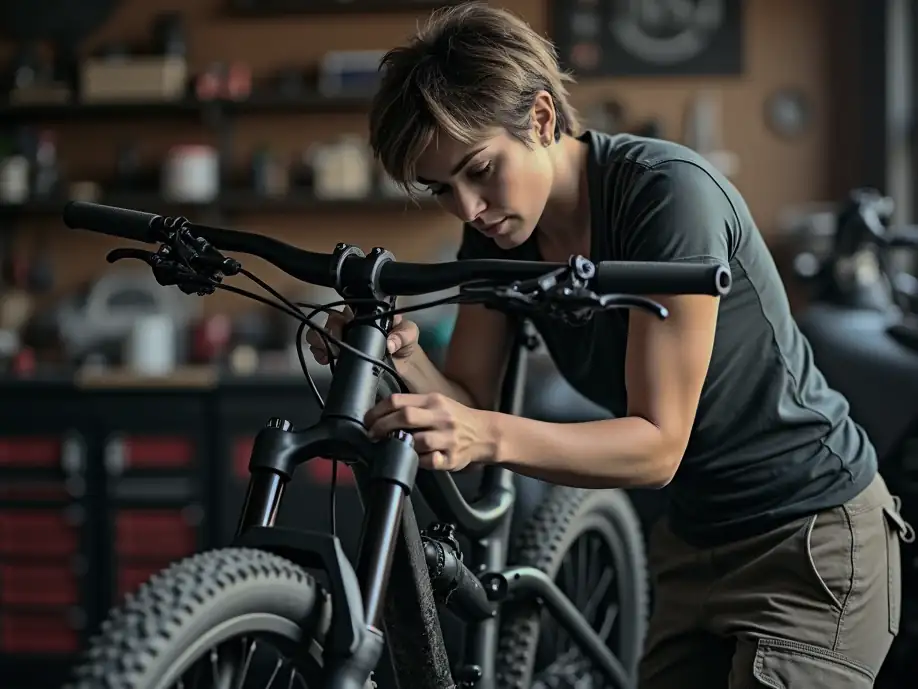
(596, 566)
(570, 585)
(609, 622)
(230, 663)
(245, 666)
(598, 594)
(583, 583)
(277, 666)
(195, 674)
(214, 667)
(589, 582)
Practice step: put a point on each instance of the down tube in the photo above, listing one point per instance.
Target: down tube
(410, 618)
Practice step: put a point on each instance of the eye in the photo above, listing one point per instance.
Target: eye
(437, 189)
(481, 172)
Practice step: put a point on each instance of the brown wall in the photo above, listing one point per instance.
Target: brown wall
(788, 42)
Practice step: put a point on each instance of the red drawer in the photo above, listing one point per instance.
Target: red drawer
(31, 490)
(37, 633)
(242, 453)
(30, 452)
(37, 533)
(130, 577)
(154, 534)
(29, 585)
(158, 452)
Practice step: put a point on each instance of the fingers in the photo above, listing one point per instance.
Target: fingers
(424, 415)
(334, 324)
(402, 335)
(319, 355)
(403, 419)
(393, 403)
(435, 461)
(408, 418)
(428, 442)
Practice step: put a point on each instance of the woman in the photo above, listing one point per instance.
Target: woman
(778, 564)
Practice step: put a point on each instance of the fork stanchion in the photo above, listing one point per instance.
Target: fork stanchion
(393, 472)
(266, 485)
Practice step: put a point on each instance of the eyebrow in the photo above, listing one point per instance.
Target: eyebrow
(458, 167)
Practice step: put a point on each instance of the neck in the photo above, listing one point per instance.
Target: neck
(566, 217)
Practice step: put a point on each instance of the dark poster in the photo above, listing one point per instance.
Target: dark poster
(649, 37)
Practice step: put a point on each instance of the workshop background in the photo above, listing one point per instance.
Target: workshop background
(127, 410)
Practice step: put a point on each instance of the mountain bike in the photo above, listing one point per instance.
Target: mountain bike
(287, 607)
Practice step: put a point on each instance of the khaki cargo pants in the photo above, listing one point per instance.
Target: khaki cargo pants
(812, 604)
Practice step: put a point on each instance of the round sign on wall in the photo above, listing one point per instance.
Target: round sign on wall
(666, 31)
(649, 37)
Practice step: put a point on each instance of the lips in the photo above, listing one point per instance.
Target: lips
(494, 229)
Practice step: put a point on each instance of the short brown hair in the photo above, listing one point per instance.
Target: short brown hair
(470, 69)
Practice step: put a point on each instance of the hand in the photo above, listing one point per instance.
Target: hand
(402, 341)
(448, 436)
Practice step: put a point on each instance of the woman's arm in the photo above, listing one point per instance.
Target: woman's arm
(677, 211)
(666, 365)
(475, 361)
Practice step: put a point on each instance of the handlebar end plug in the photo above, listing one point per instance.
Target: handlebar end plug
(583, 268)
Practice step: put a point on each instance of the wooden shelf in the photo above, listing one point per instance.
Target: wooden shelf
(48, 111)
(281, 8)
(258, 103)
(244, 201)
(231, 201)
(306, 103)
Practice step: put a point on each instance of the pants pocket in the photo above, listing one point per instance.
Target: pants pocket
(784, 664)
(828, 544)
(896, 529)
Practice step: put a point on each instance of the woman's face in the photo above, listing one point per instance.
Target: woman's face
(499, 185)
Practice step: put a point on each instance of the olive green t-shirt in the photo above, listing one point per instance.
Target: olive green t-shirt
(771, 441)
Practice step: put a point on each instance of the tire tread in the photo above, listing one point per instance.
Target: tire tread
(142, 628)
(540, 544)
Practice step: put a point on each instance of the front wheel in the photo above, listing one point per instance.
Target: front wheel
(225, 618)
(590, 542)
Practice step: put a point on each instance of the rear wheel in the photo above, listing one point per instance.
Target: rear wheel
(591, 544)
(233, 618)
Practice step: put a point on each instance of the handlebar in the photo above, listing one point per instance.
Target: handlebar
(378, 275)
(395, 278)
(865, 220)
(902, 237)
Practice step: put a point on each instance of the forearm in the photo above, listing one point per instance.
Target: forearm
(422, 377)
(615, 453)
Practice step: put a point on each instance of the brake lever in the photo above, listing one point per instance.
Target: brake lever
(166, 270)
(116, 255)
(630, 301)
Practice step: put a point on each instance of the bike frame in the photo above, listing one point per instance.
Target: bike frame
(367, 596)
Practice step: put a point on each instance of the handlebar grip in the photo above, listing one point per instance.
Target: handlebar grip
(117, 222)
(905, 237)
(661, 278)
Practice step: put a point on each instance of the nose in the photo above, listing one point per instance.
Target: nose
(467, 204)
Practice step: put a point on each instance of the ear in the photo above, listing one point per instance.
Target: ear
(543, 119)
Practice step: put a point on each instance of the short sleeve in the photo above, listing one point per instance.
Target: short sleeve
(676, 211)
